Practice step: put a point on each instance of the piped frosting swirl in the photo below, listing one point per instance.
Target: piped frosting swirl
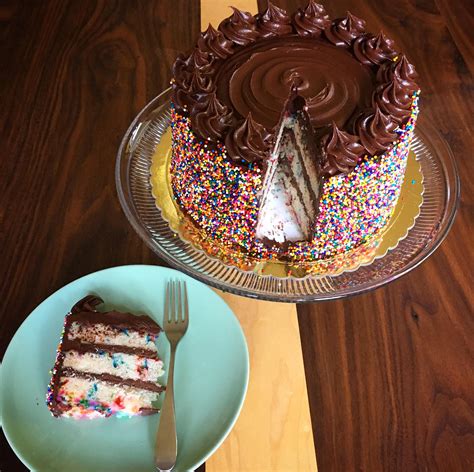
(402, 69)
(344, 30)
(274, 22)
(376, 131)
(342, 152)
(394, 99)
(240, 28)
(214, 42)
(210, 117)
(312, 20)
(250, 141)
(193, 86)
(374, 50)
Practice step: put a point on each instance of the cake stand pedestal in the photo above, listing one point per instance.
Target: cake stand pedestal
(274, 427)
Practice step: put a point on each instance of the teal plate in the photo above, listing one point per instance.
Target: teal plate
(211, 377)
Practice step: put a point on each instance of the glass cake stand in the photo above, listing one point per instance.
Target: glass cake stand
(132, 174)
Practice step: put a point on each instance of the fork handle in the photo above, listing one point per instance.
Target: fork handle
(166, 441)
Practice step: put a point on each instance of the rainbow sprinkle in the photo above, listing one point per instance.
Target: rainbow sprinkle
(222, 198)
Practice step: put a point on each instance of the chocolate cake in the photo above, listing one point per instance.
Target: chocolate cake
(229, 96)
(106, 364)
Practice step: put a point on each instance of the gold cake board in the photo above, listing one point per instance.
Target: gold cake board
(273, 431)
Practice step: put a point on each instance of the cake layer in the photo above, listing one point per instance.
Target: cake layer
(91, 397)
(127, 366)
(99, 333)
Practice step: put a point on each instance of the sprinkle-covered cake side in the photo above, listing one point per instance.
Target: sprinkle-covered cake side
(106, 364)
(223, 198)
(229, 92)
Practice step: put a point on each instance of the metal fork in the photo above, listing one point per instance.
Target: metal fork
(176, 319)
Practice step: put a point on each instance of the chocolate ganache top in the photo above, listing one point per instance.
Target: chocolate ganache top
(233, 85)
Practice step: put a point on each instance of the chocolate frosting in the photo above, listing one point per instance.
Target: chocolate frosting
(234, 85)
(201, 61)
(344, 30)
(250, 141)
(374, 50)
(258, 80)
(312, 20)
(240, 28)
(342, 152)
(214, 42)
(84, 311)
(274, 22)
(78, 346)
(402, 69)
(210, 118)
(394, 100)
(187, 94)
(114, 379)
(376, 131)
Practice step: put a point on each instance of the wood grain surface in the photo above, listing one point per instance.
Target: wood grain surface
(390, 373)
(273, 432)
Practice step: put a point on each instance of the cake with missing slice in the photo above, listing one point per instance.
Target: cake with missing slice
(228, 97)
(106, 364)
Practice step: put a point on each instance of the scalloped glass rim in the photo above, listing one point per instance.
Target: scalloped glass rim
(132, 176)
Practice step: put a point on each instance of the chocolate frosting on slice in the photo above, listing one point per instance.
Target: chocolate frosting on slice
(240, 28)
(77, 345)
(343, 152)
(374, 50)
(274, 22)
(116, 319)
(344, 30)
(84, 312)
(250, 141)
(312, 20)
(113, 379)
(87, 304)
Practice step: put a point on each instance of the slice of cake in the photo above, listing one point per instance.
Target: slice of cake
(106, 364)
(289, 203)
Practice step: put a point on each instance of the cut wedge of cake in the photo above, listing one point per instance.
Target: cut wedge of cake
(291, 186)
(106, 364)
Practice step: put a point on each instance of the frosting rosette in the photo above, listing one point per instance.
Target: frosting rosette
(312, 20)
(344, 30)
(342, 152)
(240, 28)
(249, 142)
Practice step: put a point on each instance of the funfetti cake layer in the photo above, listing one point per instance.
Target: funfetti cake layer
(106, 364)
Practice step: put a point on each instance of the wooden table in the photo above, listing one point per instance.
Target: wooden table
(389, 373)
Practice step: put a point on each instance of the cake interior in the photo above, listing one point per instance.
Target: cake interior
(289, 203)
(107, 364)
